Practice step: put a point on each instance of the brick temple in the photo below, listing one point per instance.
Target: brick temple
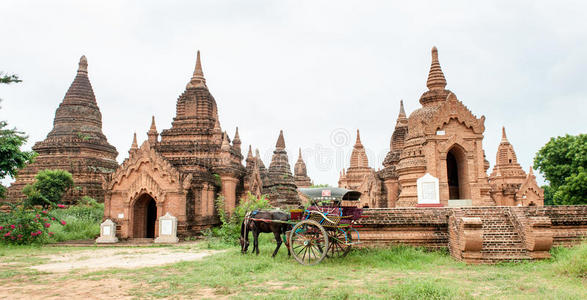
(442, 138)
(75, 144)
(183, 170)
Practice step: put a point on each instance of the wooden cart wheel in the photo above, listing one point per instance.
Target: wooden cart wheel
(338, 245)
(308, 242)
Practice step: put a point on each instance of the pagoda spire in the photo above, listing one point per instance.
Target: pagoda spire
(83, 65)
(358, 141)
(436, 80)
(300, 154)
(198, 79)
(402, 111)
(280, 141)
(134, 145)
(504, 138)
(250, 154)
(152, 134)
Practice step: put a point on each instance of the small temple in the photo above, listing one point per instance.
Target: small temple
(442, 138)
(75, 144)
(279, 185)
(182, 170)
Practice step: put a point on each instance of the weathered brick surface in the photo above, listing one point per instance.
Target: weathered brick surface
(508, 233)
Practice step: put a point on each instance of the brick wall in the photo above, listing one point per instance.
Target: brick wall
(507, 233)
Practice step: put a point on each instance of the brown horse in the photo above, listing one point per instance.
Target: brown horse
(265, 221)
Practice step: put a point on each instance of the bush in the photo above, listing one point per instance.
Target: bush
(48, 188)
(25, 226)
(229, 230)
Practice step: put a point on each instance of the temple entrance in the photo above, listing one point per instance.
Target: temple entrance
(456, 174)
(145, 217)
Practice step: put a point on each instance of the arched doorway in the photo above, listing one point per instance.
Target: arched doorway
(144, 217)
(456, 173)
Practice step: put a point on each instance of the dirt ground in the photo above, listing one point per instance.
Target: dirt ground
(84, 261)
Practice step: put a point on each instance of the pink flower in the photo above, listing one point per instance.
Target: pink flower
(51, 233)
(12, 226)
(53, 218)
(45, 212)
(1, 227)
(60, 205)
(37, 215)
(45, 219)
(7, 234)
(33, 233)
(47, 225)
(39, 232)
(63, 222)
(20, 236)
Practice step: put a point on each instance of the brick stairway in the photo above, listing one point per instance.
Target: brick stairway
(501, 241)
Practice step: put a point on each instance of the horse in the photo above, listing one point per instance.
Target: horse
(259, 221)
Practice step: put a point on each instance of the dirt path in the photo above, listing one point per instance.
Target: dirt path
(46, 287)
(101, 259)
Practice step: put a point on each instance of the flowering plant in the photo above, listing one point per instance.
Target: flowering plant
(23, 226)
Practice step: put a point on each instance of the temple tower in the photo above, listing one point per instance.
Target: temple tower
(507, 176)
(300, 173)
(445, 140)
(75, 144)
(280, 186)
(183, 173)
(389, 174)
(358, 169)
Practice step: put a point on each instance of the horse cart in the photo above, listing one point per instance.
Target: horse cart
(324, 229)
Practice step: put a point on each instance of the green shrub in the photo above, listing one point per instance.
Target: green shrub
(48, 188)
(229, 230)
(26, 225)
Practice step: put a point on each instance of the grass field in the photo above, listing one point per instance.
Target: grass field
(392, 273)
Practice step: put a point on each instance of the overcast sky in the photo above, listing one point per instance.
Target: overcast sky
(316, 69)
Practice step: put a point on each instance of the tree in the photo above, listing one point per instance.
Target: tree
(49, 188)
(11, 157)
(562, 161)
(7, 79)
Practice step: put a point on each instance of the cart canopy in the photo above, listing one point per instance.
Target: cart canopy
(330, 193)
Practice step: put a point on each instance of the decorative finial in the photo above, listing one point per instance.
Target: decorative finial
(198, 79)
(134, 145)
(250, 154)
(358, 142)
(531, 171)
(83, 64)
(236, 136)
(153, 126)
(402, 112)
(300, 153)
(280, 141)
(436, 80)
(504, 138)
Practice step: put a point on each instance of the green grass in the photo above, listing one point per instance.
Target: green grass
(384, 273)
(82, 222)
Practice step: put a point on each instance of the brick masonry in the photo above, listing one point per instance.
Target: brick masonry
(478, 234)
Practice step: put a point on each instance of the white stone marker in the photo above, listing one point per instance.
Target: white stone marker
(107, 233)
(167, 229)
(428, 193)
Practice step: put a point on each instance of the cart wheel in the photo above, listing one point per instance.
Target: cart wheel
(308, 242)
(339, 242)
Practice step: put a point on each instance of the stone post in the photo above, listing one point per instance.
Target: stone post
(107, 233)
(167, 229)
